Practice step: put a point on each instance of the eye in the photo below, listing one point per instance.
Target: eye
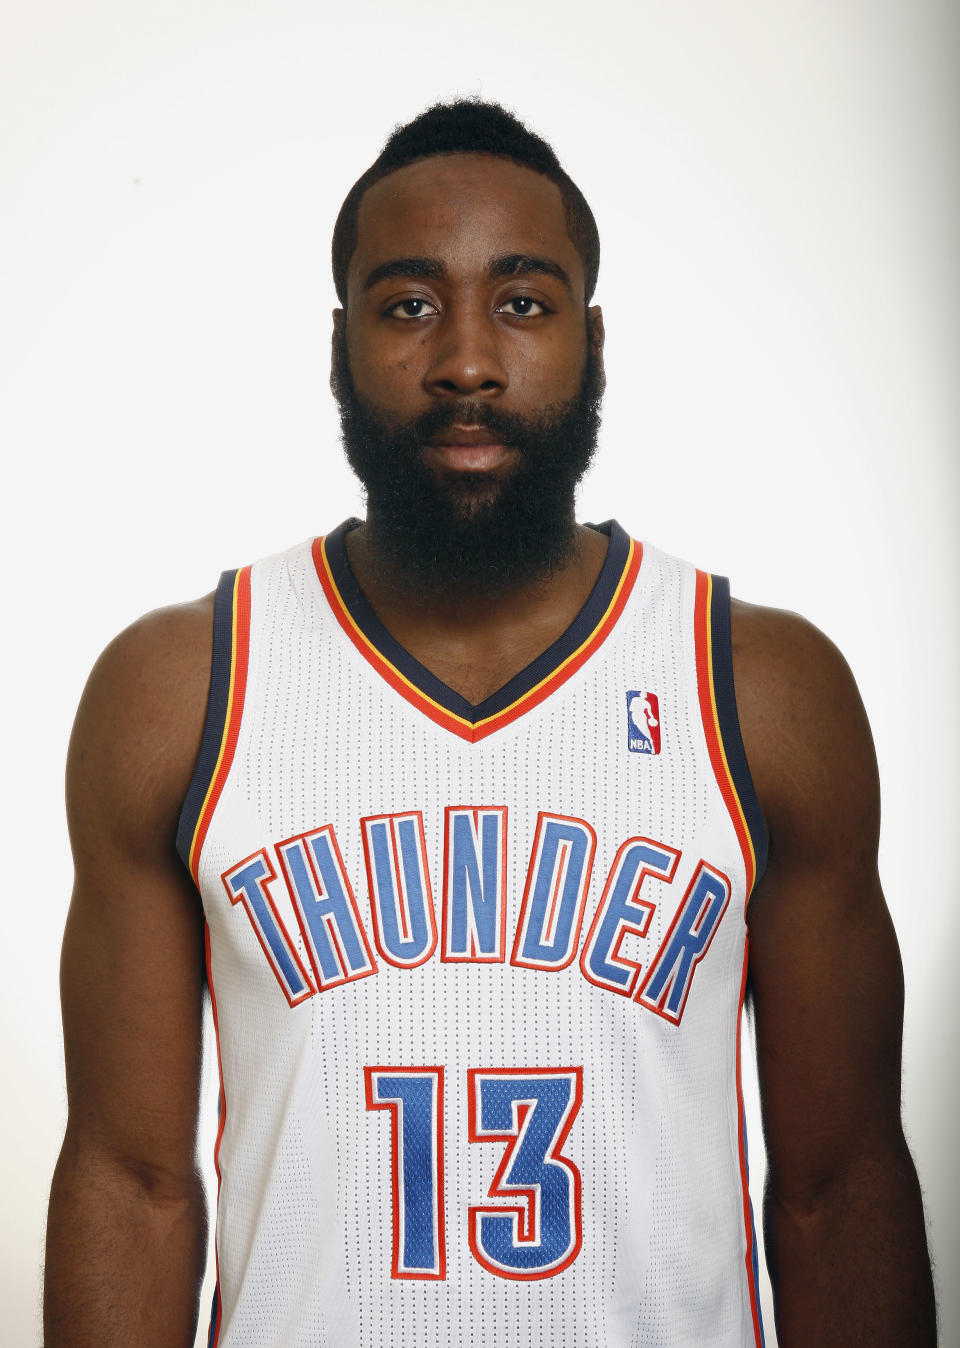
(415, 307)
(523, 306)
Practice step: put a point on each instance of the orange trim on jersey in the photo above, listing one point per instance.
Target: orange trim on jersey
(718, 759)
(214, 1337)
(239, 660)
(744, 1181)
(711, 723)
(448, 720)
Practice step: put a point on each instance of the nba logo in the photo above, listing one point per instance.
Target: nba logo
(643, 722)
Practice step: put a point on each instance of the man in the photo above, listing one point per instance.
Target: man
(475, 817)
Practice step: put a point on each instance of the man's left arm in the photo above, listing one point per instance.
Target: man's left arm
(843, 1216)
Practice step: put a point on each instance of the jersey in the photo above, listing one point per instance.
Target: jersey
(477, 972)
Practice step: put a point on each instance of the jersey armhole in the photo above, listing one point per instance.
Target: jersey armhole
(718, 705)
(228, 677)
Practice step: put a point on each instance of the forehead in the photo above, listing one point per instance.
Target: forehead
(463, 209)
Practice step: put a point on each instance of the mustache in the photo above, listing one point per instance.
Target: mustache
(525, 434)
(505, 426)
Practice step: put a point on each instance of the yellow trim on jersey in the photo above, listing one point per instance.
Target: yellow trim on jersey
(719, 736)
(226, 724)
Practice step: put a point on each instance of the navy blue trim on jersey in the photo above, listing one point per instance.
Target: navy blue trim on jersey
(214, 1304)
(217, 701)
(597, 603)
(754, 1252)
(726, 702)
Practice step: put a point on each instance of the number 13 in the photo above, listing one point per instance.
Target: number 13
(534, 1230)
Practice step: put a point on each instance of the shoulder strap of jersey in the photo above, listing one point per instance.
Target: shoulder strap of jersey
(718, 706)
(228, 680)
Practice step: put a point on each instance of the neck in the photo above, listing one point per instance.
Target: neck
(476, 640)
(454, 604)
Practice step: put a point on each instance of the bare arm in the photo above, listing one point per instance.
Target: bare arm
(843, 1216)
(126, 1232)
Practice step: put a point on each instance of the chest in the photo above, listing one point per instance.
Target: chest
(586, 831)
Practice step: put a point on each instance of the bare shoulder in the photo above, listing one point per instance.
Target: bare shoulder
(132, 964)
(778, 654)
(139, 724)
(805, 731)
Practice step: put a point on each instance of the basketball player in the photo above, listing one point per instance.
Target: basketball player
(474, 815)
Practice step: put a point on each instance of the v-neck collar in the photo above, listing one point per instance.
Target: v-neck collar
(525, 690)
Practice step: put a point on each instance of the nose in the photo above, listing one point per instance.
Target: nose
(467, 359)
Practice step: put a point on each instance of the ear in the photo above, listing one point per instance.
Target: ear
(338, 339)
(595, 336)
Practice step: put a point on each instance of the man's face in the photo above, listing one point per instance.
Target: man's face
(468, 371)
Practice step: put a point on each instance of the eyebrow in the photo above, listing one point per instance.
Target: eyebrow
(527, 264)
(405, 266)
(507, 264)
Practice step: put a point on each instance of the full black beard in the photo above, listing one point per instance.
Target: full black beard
(435, 531)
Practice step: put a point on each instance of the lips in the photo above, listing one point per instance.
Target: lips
(470, 449)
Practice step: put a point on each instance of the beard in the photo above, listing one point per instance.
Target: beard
(434, 530)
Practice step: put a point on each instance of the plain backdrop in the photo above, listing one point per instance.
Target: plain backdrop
(776, 189)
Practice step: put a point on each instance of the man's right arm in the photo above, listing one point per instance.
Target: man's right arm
(126, 1232)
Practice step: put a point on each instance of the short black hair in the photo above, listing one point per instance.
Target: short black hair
(468, 126)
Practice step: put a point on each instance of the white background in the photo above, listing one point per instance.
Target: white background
(776, 189)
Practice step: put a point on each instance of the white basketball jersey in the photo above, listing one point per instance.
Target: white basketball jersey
(477, 973)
